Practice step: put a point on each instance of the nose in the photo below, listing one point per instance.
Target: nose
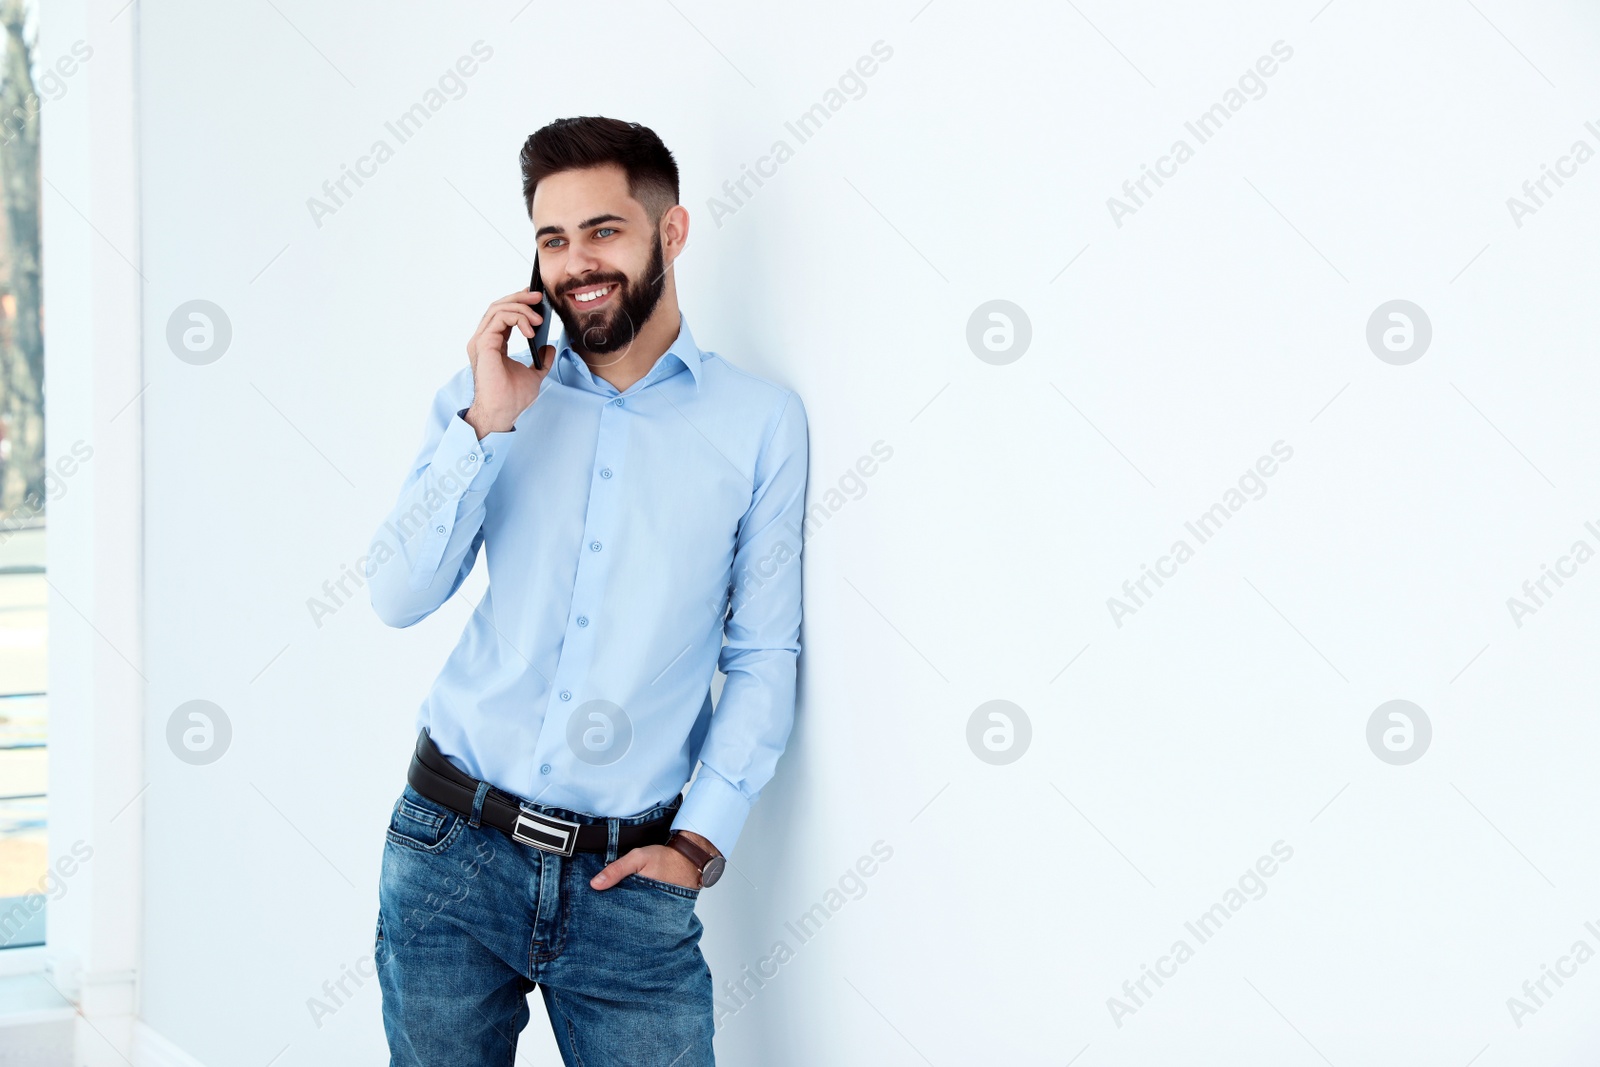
(581, 261)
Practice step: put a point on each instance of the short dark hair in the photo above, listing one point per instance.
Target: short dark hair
(594, 141)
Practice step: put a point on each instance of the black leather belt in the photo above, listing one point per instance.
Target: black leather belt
(443, 783)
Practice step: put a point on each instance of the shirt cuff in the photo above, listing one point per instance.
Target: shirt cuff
(476, 461)
(714, 809)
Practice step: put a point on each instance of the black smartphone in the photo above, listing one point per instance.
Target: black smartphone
(541, 333)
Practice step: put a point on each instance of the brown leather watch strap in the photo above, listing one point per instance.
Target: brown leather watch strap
(696, 855)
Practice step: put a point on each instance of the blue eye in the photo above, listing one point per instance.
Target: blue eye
(605, 230)
(552, 242)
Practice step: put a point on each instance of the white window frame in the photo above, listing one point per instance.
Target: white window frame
(94, 561)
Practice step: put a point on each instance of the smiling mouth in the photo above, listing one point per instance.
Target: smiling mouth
(592, 296)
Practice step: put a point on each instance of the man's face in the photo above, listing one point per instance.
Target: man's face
(600, 256)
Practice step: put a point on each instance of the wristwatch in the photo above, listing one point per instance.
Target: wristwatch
(709, 866)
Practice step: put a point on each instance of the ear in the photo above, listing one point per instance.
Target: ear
(674, 230)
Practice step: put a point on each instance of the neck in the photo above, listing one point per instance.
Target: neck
(659, 331)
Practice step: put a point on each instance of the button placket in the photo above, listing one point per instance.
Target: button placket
(593, 569)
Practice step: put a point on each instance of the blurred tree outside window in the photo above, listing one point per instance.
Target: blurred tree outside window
(22, 495)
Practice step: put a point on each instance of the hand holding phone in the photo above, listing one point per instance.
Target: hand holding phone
(507, 375)
(541, 335)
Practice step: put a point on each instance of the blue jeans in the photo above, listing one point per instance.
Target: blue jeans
(470, 921)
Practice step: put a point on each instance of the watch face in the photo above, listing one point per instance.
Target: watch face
(712, 871)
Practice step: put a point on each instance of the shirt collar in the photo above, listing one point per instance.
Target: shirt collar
(683, 352)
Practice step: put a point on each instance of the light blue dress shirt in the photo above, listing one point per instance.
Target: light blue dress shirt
(619, 531)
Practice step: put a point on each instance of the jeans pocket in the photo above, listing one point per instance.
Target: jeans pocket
(422, 824)
(681, 891)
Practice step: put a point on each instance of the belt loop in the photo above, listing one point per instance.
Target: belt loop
(613, 830)
(477, 805)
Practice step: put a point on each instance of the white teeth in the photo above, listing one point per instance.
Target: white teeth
(584, 298)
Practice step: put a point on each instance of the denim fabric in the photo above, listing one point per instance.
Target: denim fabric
(470, 921)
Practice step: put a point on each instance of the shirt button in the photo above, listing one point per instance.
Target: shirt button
(605, 472)
(594, 546)
(472, 457)
(566, 694)
(617, 402)
(583, 620)
(544, 768)
(438, 529)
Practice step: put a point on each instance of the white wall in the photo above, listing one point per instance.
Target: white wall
(1227, 314)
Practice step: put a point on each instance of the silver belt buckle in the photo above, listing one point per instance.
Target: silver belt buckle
(546, 832)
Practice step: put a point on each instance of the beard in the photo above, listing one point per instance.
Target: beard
(613, 328)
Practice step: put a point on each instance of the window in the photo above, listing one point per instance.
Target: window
(23, 493)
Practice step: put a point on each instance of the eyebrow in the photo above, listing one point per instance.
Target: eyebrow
(584, 225)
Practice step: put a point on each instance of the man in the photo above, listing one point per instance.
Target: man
(637, 499)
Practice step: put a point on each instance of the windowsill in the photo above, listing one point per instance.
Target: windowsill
(30, 999)
(33, 960)
(36, 1023)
